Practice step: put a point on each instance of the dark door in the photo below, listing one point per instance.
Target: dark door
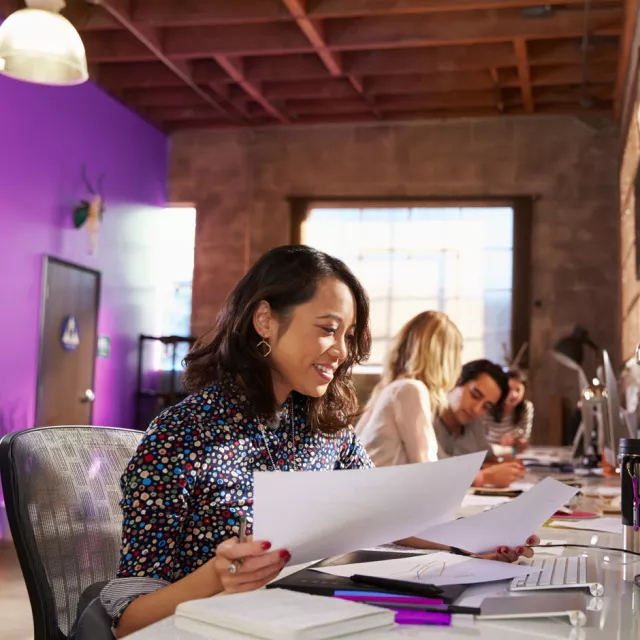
(68, 342)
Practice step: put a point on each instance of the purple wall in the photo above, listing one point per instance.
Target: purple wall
(46, 135)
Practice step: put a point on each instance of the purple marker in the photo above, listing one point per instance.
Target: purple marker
(423, 617)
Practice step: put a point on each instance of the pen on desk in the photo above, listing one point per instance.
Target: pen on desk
(399, 586)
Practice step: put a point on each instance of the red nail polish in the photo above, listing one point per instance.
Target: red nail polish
(505, 549)
(285, 555)
(520, 550)
(265, 546)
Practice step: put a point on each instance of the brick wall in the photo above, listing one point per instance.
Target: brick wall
(630, 288)
(240, 181)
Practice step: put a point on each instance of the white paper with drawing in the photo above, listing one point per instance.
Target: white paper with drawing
(318, 514)
(509, 524)
(436, 568)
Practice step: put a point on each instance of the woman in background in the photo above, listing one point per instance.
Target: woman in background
(509, 424)
(423, 366)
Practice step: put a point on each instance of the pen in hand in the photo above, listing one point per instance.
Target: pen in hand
(242, 535)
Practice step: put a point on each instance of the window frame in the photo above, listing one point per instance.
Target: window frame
(521, 295)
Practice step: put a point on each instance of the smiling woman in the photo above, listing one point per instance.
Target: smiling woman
(275, 351)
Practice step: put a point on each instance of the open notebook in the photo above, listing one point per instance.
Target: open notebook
(276, 614)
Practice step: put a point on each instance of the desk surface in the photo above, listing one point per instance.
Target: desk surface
(618, 617)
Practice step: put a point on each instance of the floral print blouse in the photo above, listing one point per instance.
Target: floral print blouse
(191, 479)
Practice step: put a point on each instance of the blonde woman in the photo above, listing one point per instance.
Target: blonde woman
(423, 366)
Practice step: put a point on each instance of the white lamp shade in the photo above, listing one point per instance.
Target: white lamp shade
(43, 47)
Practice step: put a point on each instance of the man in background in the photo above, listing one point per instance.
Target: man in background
(459, 429)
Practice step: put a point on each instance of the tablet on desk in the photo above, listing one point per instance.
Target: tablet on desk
(324, 584)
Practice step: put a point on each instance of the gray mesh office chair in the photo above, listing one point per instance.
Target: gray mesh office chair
(62, 494)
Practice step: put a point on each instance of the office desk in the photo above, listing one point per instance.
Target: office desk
(617, 616)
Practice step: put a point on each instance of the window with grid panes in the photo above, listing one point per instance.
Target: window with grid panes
(454, 259)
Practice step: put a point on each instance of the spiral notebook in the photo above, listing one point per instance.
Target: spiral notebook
(277, 614)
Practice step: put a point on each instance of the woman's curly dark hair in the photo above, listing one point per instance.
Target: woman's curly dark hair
(285, 277)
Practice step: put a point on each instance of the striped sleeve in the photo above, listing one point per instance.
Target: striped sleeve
(526, 424)
(121, 592)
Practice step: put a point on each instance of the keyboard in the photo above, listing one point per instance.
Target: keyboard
(557, 573)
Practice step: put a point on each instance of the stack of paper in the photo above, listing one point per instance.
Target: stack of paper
(317, 515)
(276, 614)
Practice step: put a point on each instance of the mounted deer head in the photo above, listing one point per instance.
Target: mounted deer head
(90, 211)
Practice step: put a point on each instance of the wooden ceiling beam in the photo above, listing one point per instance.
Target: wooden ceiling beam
(89, 17)
(569, 51)
(162, 97)
(135, 75)
(208, 12)
(357, 8)
(183, 13)
(477, 27)
(630, 25)
(358, 34)
(208, 71)
(236, 40)
(313, 31)
(316, 107)
(573, 94)
(600, 73)
(430, 101)
(115, 47)
(428, 59)
(286, 67)
(151, 39)
(520, 47)
(236, 73)
(428, 83)
(332, 88)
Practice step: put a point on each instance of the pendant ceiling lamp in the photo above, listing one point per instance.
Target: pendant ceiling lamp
(39, 45)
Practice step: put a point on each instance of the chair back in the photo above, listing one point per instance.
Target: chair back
(62, 494)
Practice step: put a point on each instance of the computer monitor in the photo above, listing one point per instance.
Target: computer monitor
(618, 427)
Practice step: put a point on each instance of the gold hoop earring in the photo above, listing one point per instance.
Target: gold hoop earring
(264, 343)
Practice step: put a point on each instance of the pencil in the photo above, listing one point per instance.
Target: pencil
(242, 535)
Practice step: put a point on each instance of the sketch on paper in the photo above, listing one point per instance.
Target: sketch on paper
(428, 570)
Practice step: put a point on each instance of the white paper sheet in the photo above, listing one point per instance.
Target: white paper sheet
(509, 524)
(321, 514)
(437, 568)
(606, 525)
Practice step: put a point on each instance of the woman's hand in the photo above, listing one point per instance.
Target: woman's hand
(255, 565)
(503, 474)
(506, 554)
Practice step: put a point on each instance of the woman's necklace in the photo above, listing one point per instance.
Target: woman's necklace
(294, 465)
